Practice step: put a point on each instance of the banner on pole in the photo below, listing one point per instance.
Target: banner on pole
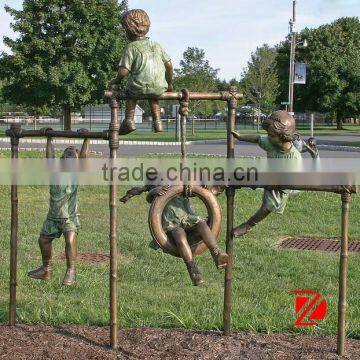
(300, 73)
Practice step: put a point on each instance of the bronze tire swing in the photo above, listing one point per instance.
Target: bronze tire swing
(207, 197)
(158, 206)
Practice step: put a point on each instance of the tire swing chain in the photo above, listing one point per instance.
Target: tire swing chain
(184, 112)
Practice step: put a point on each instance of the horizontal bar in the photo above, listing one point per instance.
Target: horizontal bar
(338, 189)
(224, 96)
(56, 134)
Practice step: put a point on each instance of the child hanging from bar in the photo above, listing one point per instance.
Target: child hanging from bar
(148, 67)
(278, 143)
(182, 225)
(62, 218)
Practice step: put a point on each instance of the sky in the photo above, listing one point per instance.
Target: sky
(228, 30)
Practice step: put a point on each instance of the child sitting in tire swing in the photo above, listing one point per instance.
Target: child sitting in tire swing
(182, 225)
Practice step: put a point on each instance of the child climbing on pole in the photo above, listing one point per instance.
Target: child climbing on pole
(182, 225)
(148, 67)
(278, 143)
(62, 218)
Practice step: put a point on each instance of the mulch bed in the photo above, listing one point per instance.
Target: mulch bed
(85, 342)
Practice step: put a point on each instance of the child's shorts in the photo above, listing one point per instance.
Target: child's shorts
(54, 228)
(275, 200)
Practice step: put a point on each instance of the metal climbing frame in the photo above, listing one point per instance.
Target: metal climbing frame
(112, 135)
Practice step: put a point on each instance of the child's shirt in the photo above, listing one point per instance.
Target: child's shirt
(178, 213)
(274, 152)
(275, 200)
(63, 202)
(145, 59)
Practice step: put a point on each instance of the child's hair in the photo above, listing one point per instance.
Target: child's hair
(281, 123)
(70, 153)
(136, 22)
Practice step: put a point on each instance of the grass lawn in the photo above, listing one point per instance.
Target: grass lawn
(154, 288)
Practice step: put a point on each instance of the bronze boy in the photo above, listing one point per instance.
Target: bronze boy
(148, 66)
(62, 219)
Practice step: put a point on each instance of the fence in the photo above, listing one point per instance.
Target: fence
(99, 121)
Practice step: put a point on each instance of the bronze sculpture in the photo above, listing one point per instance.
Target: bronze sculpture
(62, 218)
(147, 66)
(278, 143)
(15, 133)
(183, 227)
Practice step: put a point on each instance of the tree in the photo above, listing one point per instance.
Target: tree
(333, 76)
(64, 55)
(196, 74)
(260, 81)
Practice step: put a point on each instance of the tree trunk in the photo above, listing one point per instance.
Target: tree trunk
(339, 124)
(67, 117)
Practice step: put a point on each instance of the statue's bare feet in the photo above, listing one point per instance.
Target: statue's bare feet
(42, 273)
(241, 230)
(70, 277)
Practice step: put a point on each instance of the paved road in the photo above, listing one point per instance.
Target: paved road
(241, 149)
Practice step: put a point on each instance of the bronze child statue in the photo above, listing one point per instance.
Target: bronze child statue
(278, 143)
(182, 225)
(147, 66)
(62, 219)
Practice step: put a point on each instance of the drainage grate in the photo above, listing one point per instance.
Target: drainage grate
(307, 243)
(89, 257)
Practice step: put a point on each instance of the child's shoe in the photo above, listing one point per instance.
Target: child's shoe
(127, 126)
(70, 277)
(242, 229)
(194, 272)
(42, 273)
(220, 259)
(158, 126)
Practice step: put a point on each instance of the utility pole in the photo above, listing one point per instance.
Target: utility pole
(292, 59)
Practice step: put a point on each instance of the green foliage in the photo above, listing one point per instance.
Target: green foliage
(64, 54)
(333, 79)
(197, 75)
(260, 81)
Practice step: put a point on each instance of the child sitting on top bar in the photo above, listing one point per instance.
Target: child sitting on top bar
(147, 66)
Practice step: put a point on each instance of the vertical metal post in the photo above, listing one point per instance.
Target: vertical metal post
(292, 60)
(183, 136)
(15, 128)
(114, 146)
(184, 112)
(230, 195)
(312, 118)
(177, 129)
(345, 199)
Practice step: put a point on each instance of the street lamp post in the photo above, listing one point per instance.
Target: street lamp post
(292, 60)
(304, 43)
